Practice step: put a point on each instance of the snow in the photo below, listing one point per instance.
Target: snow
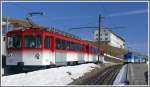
(121, 78)
(54, 76)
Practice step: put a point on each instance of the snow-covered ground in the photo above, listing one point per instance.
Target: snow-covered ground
(121, 78)
(53, 76)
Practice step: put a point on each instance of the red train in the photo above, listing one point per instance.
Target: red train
(45, 47)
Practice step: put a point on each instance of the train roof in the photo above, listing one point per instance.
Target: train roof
(50, 30)
(59, 32)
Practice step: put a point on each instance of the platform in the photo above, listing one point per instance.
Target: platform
(138, 74)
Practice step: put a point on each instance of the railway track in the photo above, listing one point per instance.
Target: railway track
(106, 77)
(103, 76)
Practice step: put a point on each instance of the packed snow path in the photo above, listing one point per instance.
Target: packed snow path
(53, 76)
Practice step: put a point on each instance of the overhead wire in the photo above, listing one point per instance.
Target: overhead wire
(47, 17)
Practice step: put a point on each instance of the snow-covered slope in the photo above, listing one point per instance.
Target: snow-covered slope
(53, 76)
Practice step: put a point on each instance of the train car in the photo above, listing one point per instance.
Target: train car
(131, 57)
(36, 47)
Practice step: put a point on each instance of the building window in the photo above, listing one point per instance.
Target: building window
(106, 34)
(100, 34)
(106, 38)
(96, 34)
(100, 38)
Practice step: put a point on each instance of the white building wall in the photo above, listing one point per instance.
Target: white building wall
(104, 35)
(115, 41)
(108, 36)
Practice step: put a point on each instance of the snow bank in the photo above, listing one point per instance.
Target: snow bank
(121, 78)
(53, 76)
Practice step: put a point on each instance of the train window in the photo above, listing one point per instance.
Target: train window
(32, 41)
(58, 43)
(63, 44)
(71, 46)
(129, 56)
(14, 42)
(67, 45)
(81, 47)
(76, 46)
(47, 42)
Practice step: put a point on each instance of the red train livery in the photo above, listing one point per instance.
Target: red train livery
(45, 47)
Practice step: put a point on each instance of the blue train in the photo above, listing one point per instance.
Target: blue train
(131, 57)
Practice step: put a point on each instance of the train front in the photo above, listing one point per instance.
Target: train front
(25, 48)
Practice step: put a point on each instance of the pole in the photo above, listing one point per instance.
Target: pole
(99, 32)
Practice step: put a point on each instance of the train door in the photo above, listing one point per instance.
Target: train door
(48, 46)
(87, 53)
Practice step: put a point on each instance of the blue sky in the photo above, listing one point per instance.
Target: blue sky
(133, 16)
